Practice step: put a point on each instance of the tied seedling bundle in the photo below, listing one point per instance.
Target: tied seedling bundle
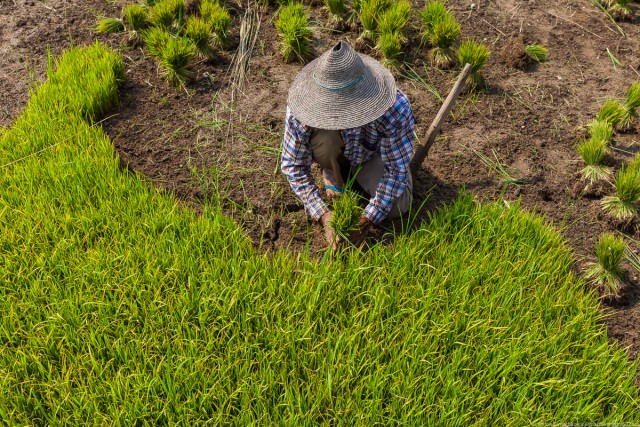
(109, 25)
(136, 17)
(537, 52)
(606, 272)
(392, 23)
(346, 213)
(624, 204)
(444, 32)
(336, 8)
(370, 13)
(595, 149)
(476, 54)
(295, 33)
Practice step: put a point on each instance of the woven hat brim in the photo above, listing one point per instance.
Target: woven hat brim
(351, 107)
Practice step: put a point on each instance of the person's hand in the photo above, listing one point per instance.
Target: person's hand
(329, 233)
(357, 237)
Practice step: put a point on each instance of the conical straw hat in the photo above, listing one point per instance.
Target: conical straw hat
(341, 89)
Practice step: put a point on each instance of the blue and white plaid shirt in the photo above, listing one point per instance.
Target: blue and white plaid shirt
(390, 136)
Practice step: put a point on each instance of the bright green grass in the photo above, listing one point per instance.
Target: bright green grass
(119, 307)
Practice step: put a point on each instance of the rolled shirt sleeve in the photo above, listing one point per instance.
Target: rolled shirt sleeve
(396, 149)
(296, 165)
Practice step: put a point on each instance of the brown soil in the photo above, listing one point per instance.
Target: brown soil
(530, 119)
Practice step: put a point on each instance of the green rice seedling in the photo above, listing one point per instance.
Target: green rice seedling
(109, 25)
(537, 52)
(601, 130)
(631, 105)
(476, 54)
(395, 19)
(444, 34)
(218, 17)
(295, 33)
(337, 9)
(606, 272)
(199, 32)
(593, 151)
(434, 11)
(370, 13)
(625, 202)
(176, 58)
(390, 46)
(136, 17)
(613, 112)
(155, 39)
(164, 13)
(346, 213)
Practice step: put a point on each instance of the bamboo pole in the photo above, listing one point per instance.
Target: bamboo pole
(434, 129)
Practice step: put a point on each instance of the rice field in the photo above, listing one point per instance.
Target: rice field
(121, 307)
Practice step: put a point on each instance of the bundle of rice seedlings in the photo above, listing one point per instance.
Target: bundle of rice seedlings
(593, 151)
(613, 112)
(136, 17)
(537, 52)
(601, 130)
(337, 9)
(395, 18)
(346, 214)
(370, 12)
(475, 54)
(434, 11)
(165, 12)
(199, 32)
(218, 17)
(606, 272)
(109, 25)
(390, 45)
(631, 104)
(295, 33)
(444, 34)
(156, 39)
(625, 203)
(176, 58)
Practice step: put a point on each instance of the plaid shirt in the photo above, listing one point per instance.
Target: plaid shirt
(390, 136)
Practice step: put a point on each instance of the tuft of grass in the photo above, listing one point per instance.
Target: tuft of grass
(346, 213)
(612, 111)
(199, 32)
(476, 54)
(218, 17)
(337, 8)
(537, 52)
(593, 151)
(155, 39)
(606, 272)
(390, 46)
(370, 13)
(176, 58)
(434, 11)
(295, 33)
(109, 25)
(395, 18)
(136, 17)
(625, 202)
(444, 34)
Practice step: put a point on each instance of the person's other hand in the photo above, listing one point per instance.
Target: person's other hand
(329, 232)
(357, 237)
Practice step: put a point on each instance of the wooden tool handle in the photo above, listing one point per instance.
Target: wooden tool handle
(434, 129)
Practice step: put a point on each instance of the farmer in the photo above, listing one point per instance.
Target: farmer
(345, 113)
